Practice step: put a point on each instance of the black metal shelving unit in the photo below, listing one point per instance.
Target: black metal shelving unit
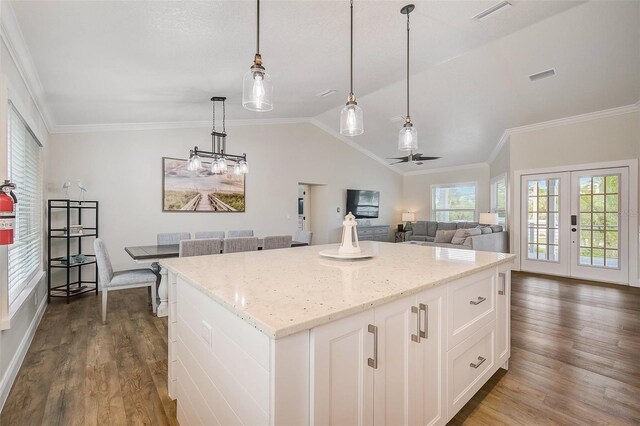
(74, 211)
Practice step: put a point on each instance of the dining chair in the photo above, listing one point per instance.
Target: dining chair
(172, 238)
(201, 247)
(303, 236)
(243, 233)
(234, 245)
(210, 234)
(120, 280)
(276, 242)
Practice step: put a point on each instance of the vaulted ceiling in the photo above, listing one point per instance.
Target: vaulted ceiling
(160, 62)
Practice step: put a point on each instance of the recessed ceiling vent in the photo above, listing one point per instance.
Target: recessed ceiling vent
(326, 93)
(492, 11)
(543, 74)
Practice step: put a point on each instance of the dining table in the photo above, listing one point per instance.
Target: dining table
(153, 254)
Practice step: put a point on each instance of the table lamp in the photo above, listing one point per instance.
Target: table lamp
(488, 219)
(408, 218)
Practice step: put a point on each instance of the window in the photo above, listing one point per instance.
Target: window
(453, 203)
(499, 198)
(25, 170)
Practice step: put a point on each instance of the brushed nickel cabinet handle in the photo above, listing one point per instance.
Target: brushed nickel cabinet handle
(479, 363)
(504, 283)
(479, 301)
(424, 333)
(416, 337)
(373, 362)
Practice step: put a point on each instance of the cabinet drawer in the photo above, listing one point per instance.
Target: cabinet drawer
(469, 366)
(472, 305)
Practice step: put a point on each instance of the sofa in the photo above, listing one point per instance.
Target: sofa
(461, 235)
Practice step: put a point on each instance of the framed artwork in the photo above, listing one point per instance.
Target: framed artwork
(200, 191)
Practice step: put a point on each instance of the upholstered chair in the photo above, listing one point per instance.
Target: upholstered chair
(244, 233)
(172, 238)
(110, 280)
(303, 236)
(210, 234)
(200, 247)
(276, 242)
(234, 245)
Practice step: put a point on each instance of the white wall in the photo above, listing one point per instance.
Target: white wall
(417, 188)
(123, 170)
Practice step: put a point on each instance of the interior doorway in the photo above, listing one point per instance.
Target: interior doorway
(304, 207)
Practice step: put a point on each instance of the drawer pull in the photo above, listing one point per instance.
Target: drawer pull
(425, 333)
(416, 337)
(504, 283)
(373, 362)
(479, 363)
(479, 301)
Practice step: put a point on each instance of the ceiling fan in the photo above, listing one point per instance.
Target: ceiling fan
(415, 158)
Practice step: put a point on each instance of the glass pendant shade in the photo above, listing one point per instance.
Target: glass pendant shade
(244, 167)
(236, 170)
(408, 139)
(351, 122)
(257, 91)
(215, 168)
(222, 164)
(194, 163)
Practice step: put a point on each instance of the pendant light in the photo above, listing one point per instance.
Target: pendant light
(408, 137)
(351, 116)
(257, 88)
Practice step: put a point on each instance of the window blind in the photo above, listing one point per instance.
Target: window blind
(25, 170)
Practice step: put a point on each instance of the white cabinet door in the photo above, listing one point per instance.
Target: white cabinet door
(394, 376)
(503, 310)
(430, 393)
(342, 381)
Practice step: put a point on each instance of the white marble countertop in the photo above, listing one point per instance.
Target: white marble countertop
(282, 292)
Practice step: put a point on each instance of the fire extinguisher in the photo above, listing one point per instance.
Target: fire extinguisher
(8, 201)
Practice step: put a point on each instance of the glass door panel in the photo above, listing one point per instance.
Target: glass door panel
(600, 242)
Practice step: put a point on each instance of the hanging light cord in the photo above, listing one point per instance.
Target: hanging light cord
(258, 26)
(408, 117)
(351, 53)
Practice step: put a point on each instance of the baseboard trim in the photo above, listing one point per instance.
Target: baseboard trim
(16, 362)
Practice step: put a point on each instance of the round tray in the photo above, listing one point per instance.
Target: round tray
(334, 254)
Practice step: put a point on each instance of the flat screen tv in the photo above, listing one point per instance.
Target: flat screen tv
(363, 204)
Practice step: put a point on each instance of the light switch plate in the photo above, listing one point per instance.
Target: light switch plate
(205, 333)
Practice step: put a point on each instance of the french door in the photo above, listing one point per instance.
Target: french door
(576, 224)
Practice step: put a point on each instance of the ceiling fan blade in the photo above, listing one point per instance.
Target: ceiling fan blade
(397, 158)
(425, 158)
(397, 162)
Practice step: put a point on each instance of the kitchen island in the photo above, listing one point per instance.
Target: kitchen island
(288, 337)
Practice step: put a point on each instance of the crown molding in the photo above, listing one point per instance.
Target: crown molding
(611, 112)
(446, 169)
(353, 145)
(11, 34)
(125, 127)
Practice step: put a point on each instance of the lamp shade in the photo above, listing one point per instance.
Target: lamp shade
(408, 217)
(488, 218)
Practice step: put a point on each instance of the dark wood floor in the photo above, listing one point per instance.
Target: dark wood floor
(574, 361)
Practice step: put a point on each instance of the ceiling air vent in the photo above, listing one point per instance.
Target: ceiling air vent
(543, 74)
(326, 93)
(492, 11)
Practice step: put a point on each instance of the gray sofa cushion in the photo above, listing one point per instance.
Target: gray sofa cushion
(469, 225)
(462, 234)
(419, 228)
(432, 227)
(447, 226)
(444, 236)
(486, 229)
(496, 228)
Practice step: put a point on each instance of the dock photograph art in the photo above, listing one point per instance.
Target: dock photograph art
(200, 191)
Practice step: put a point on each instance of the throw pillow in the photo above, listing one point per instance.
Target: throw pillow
(486, 230)
(444, 236)
(462, 234)
(496, 228)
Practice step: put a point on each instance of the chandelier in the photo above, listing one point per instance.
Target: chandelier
(220, 160)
